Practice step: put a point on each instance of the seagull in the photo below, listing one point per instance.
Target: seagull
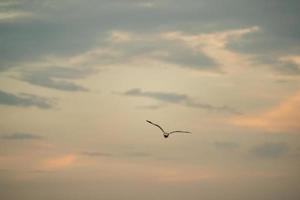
(166, 134)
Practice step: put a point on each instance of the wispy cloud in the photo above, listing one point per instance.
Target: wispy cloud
(184, 174)
(22, 136)
(288, 65)
(134, 154)
(177, 98)
(146, 4)
(270, 150)
(10, 11)
(14, 15)
(226, 145)
(25, 100)
(126, 47)
(227, 109)
(282, 118)
(151, 107)
(96, 154)
(59, 162)
(205, 51)
(215, 46)
(162, 96)
(56, 78)
(8, 3)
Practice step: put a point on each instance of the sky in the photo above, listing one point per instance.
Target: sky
(79, 79)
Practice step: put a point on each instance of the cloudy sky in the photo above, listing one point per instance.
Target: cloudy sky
(78, 79)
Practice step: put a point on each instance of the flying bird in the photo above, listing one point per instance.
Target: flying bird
(166, 134)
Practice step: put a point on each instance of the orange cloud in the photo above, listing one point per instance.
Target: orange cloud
(58, 162)
(293, 58)
(282, 118)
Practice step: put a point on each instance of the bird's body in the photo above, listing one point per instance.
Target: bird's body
(166, 134)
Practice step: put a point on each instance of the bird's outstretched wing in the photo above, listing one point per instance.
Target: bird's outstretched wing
(156, 125)
(179, 132)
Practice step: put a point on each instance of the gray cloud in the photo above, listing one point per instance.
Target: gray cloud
(22, 136)
(184, 56)
(287, 68)
(55, 78)
(226, 145)
(176, 98)
(96, 154)
(187, 58)
(46, 34)
(150, 107)
(270, 150)
(162, 96)
(228, 109)
(170, 52)
(278, 66)
(25, 100)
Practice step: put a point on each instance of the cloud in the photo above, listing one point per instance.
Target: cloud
(137, 154)
(215, 45)
(270, 150)
(120, 47)
(186, 57)
(25, 100)
(126, 47)
(162, 96)
(56, 77)
(145, 4)
(48, 34)
(150, 107)
(133, 46)
(22, 136)
(59, 162)
(286, 69)
(205, 106)
(10, 16)
(8, 3)
(284, 117)
(205, 51)
(134, 154)
(96, 154)
(291, 58)
(120, 37)
(184, 174)
(288, 65)
(11, 11)
(226, 145)
(176, 98)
